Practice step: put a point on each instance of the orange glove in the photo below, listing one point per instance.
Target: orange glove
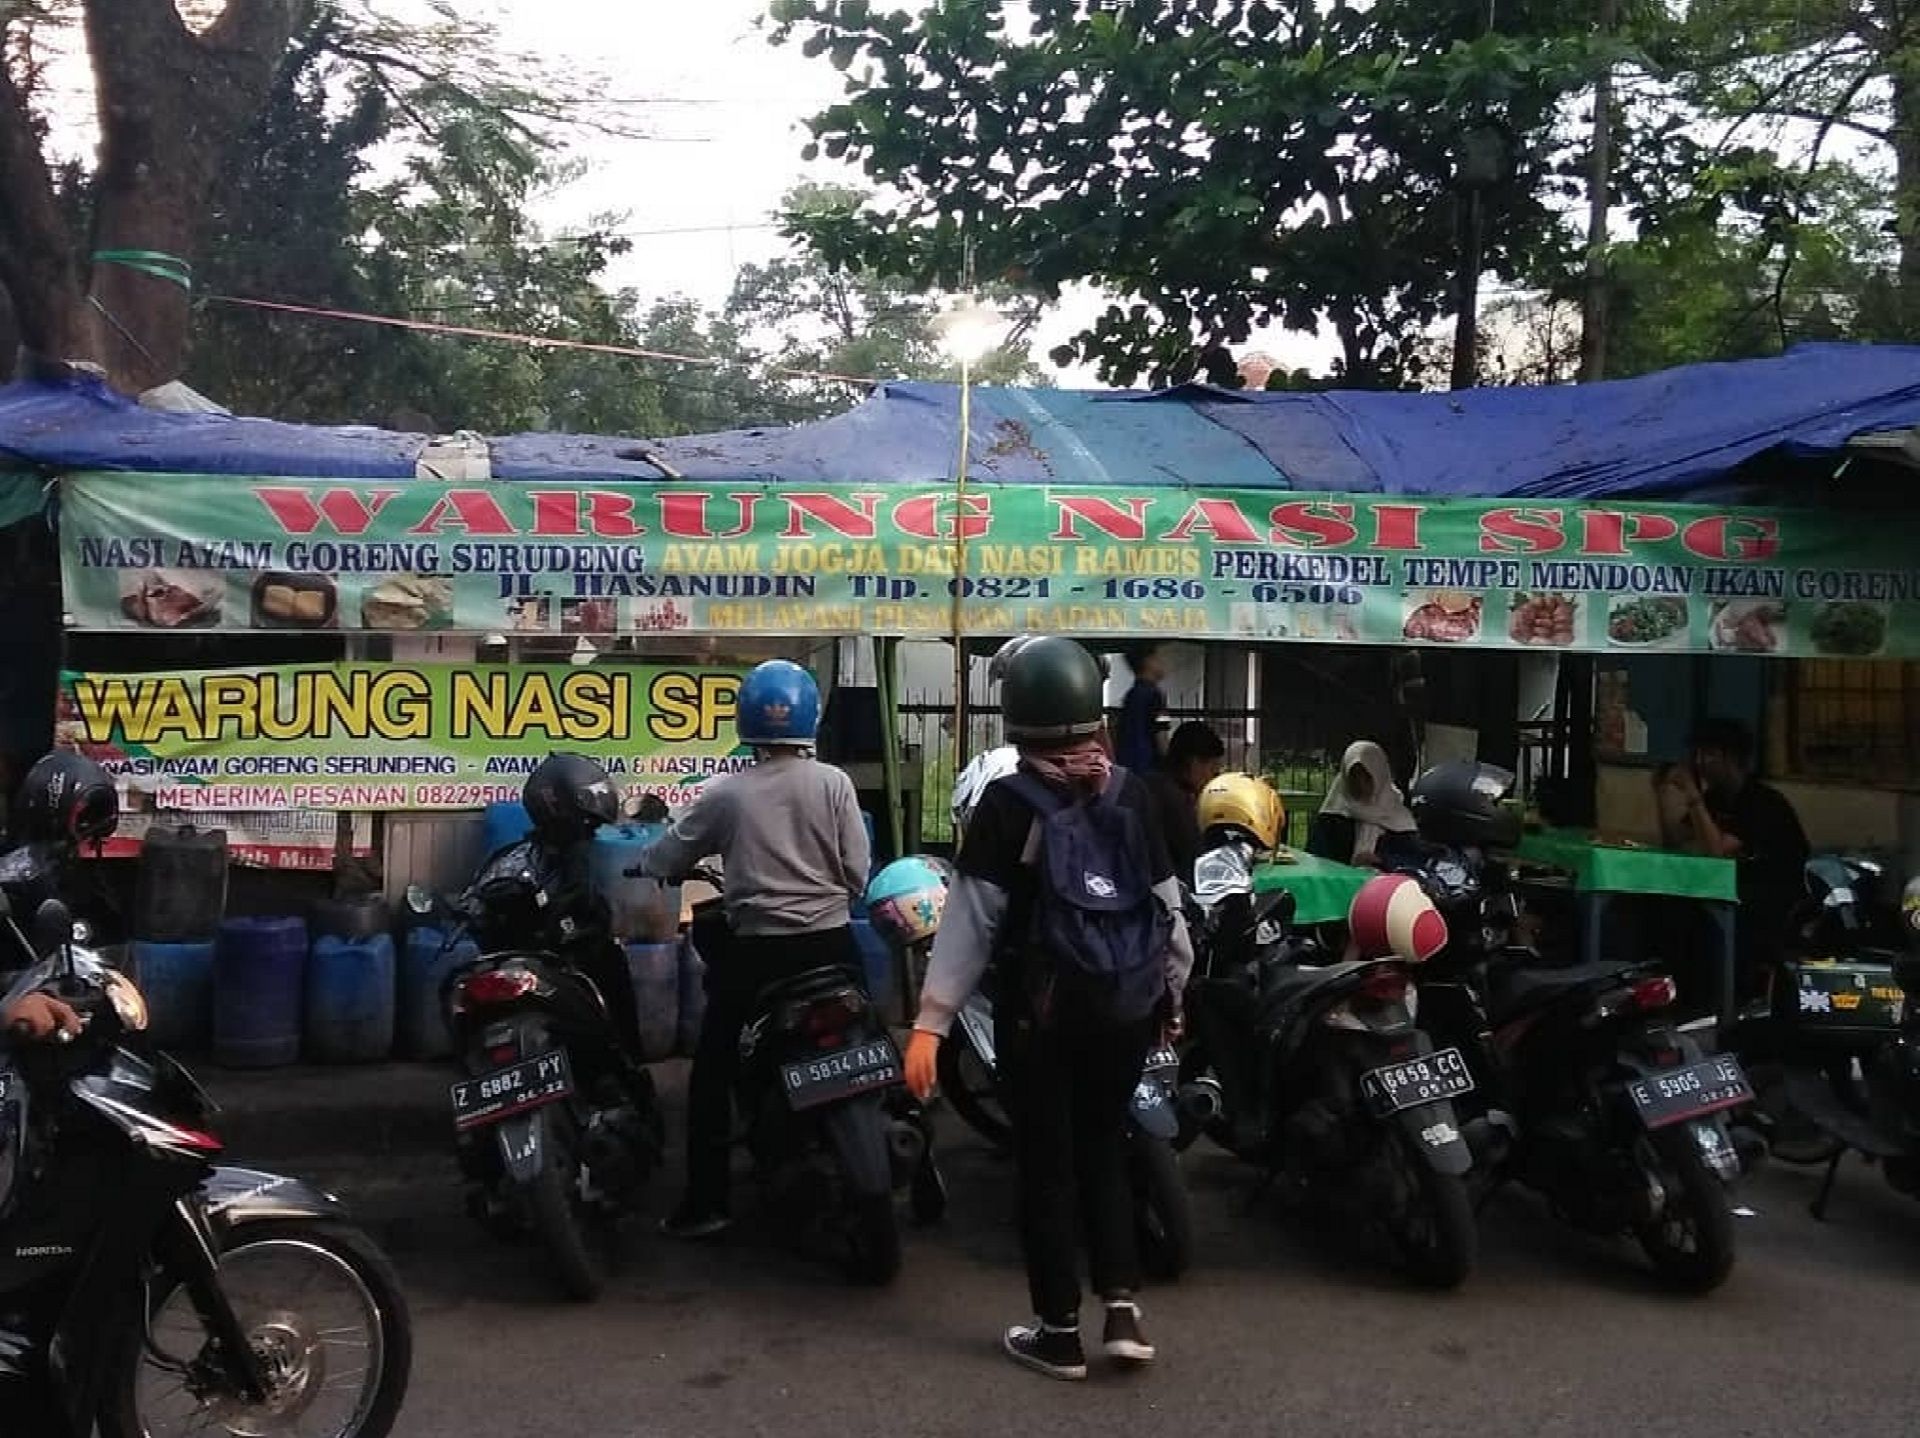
(923, 1063)
(40, 1016)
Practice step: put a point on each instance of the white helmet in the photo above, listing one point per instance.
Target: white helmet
(973, 781)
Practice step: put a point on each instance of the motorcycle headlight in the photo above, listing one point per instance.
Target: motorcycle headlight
(129, 1004)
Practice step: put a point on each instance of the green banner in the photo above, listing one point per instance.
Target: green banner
(196, 552)
(383, 737)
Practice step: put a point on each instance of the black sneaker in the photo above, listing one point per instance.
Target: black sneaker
(690, 1222)
(1125, 1341)
(1055, 1352)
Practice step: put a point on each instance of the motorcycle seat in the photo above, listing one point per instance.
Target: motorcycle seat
(809, 984)
(1284, 990)
(1528, 987)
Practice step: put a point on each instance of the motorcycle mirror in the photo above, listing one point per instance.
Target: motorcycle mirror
(419, 900)
(82, 932)
(52, 927)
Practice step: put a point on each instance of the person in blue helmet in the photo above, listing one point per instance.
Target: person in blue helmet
(790, 838)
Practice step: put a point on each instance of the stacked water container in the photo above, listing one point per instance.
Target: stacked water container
(350, 982)
(179, 896)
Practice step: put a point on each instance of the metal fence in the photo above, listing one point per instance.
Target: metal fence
(1300, 772)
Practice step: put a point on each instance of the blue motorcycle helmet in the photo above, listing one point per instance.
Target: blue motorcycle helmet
(778, 707)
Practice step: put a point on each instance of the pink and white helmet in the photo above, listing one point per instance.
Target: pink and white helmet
(1392, 917)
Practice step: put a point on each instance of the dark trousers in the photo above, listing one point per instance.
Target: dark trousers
(738, 969)
(1068, 1088)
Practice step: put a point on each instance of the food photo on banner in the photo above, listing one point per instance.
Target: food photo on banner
(353, 737)
(184, 553)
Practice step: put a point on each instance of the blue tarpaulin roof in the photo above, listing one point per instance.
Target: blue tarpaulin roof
(1673, 434)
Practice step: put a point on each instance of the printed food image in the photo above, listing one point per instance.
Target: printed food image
(1749, 626)
(1542, 619)
(170, 598)
(589, 616)
(529, 616)
(1447, 616)
(1850, 627)
(293, 601)
(408, 601)
(1646, 619)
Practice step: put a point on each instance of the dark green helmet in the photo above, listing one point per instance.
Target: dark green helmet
(1050, 689)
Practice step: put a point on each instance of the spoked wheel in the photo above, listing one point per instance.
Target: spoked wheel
(323, 1311)
(974, 1091)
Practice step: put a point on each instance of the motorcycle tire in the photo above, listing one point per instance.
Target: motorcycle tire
(1699, 1261)
(972, 1089)
(558, 1217)
(1436, 1233)
(1163, 1213)
(873, 1240)
(344, 1249)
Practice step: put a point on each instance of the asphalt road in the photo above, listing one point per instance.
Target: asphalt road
(1276, 1331)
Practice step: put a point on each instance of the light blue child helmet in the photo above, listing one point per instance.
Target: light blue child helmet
(779, 705)
(905, 901)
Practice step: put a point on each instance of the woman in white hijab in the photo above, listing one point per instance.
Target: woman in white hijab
(1363, 811)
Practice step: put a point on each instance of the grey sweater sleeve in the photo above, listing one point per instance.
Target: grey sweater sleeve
(856, 855)
(961, 950)
(697, 834)
(1179, 942)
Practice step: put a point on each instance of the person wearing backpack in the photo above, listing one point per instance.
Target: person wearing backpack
(1064, 886)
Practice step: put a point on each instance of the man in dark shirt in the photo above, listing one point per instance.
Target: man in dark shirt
(1138, 738)
(1732, 815)
(1195, 756)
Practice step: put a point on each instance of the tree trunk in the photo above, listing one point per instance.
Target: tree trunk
(1903, 68)
(171, 105)
(1593, 299)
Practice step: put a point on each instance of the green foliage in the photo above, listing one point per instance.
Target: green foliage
(1221, 164)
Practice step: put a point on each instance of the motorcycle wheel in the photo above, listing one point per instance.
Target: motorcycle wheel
(1163, 1215)
(1433, 1227)
(353, 1363)
(1691, 1243)
(873, 1240)
(974, 1091)
(562, 1220)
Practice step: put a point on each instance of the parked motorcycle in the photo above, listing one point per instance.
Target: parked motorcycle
(1828, 1009)
(1586, 1092)
(1852, 1033)
(834, 1135)
(557, 1126)
(143, 1286)
(1313, 1068)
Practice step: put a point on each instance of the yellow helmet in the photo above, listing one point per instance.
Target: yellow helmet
(1242, 802)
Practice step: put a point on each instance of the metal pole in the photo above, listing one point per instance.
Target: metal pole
(885, 654)
(960, 666)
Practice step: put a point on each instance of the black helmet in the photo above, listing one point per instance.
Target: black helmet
(568, 796)
(68, 797)
(1465, 803)
(1050, 688)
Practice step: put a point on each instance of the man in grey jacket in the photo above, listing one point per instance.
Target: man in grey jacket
(795, 854)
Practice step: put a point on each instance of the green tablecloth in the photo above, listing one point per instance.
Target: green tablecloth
(1322, 890)
(1612, 869)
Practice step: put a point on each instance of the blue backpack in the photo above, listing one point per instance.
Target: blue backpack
(1097, 938)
